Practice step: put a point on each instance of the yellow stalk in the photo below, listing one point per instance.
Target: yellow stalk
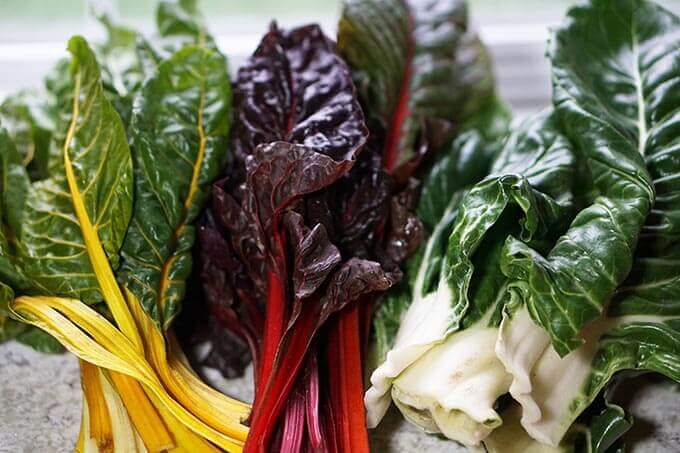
(98, 413)
(212, 407)
(140, 443)
(187, 441)
(85, 443)
(83, 434)
(106, 347)
(179, 366)
(124, 436)
(100, 263)
(143, 415)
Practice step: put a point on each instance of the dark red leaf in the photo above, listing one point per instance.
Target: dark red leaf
(295, 88)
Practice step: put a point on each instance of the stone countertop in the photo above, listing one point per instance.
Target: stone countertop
(40, 401)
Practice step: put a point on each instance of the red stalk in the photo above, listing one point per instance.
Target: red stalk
(273, 325)
(312, 415)
(293, 424)
(282, 377)
(335, 407)
(401, 112)
(352, 380)
(275, 320)
(346, 376)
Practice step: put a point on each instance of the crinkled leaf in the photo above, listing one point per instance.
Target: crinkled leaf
(534, 172)
(615, 86)
(296, 89)
(299, 129)
(96, 147)
(420, 71)
(288, 199)
(640, 331)
(314, 256)
(568, 385)
(179, 130)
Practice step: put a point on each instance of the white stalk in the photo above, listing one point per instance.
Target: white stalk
(454, 386)
(550, 388)
(423, 325)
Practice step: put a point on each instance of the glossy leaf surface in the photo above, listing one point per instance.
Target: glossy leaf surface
(95, 152)
(619, 104)
(420, 71)
(179, 129)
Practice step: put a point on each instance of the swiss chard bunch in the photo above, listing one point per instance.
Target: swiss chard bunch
(316, 210)
(270, 264)
(99, 197)
(556, 271)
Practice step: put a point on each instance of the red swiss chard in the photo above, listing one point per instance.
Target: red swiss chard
(277, 255)
(315, 217)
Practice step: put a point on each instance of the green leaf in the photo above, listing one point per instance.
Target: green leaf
(95, 144)
(122, 72)
(607, 427)
(9, 328)
(468, 161)
(13, 185)
(615, 87)
(179, 131)
(30, 126)
(39, 340)
(420, 73)
(179, 24)
(15, 330)
(533, 172)
(59, 88)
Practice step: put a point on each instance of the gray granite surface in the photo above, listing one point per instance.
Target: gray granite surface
(40, 409)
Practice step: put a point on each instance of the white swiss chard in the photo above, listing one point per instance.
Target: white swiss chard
(442, 371)
(639, 328)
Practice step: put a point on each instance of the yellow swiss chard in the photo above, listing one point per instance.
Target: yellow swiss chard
(140, 394)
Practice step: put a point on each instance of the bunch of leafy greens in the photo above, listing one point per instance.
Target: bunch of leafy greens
(558, 269)
(102, 179)
(315, 213)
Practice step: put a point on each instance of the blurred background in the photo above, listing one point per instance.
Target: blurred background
(33, 34)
